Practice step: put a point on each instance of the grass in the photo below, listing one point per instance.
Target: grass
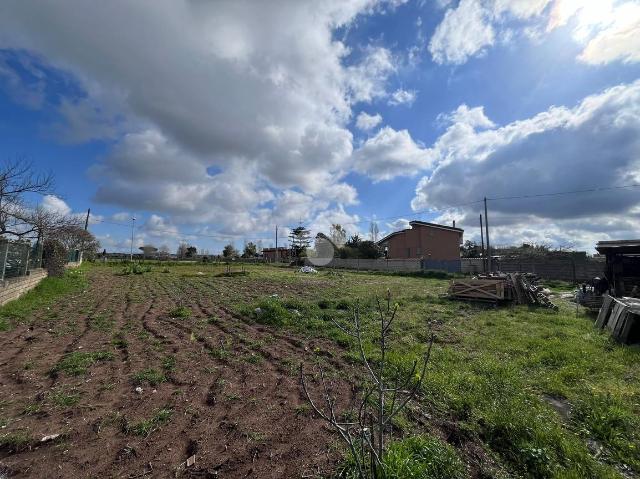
(147, 426)
(64, 399)
(15, 441)
(423, 456)
(48, 291)
(180, 312)
(150, 376)
(101, 322)
(491, 369)
(169, 363)
(78, 363)
(490, 378)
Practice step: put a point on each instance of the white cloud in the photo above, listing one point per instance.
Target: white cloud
(399, 224)
(619, 40)
(402, 97)
(366, 122)
(521, 9)
(367, 79)
(594, 144)
(609, 30)
(222, 87)
(55, 205)
(391, 153)
(464, 32)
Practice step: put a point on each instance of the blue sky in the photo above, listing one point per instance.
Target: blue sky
(213, 122)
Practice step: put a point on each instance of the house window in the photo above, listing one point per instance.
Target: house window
(418, 251)
(408, 252)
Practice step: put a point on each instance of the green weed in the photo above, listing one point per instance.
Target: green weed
(77, 363)
(151, 376)
(146, 427)
(180, 312)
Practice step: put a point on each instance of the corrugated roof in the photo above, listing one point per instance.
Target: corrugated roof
(619, 246)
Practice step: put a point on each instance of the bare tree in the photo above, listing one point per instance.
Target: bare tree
(373, 231)
(338, 235)
(44, 223)
(386, 396)
(18, 179)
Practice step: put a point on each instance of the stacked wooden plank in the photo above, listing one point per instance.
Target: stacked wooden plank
(521, 288)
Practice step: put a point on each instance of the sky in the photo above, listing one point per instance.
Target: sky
(213, 122)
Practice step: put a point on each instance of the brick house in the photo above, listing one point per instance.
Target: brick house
(428, 241)
(284, 254)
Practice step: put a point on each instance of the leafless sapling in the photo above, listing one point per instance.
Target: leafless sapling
(387, 395)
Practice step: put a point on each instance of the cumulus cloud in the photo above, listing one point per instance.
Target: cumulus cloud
(609, 30)
(618, 40)
(402, 97)
(391, 153)
(596, 143)
(55, 205)
(464, 32)
(222, 87)
(366, 122)
(399, 224)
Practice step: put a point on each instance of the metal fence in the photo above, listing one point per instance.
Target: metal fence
(17, 258)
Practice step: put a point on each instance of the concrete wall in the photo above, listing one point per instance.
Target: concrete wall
(548, 268)
(13, 288)
(374, 264)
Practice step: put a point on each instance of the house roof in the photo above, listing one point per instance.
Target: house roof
(619, 247)
(435, 225)
(421, 223)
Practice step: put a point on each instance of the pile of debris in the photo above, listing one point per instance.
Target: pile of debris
(521, 288)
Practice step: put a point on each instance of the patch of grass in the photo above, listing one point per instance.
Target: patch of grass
(146, 427)
(135, 268)
(169, 363)
(422, 457)
(256, 436)
(271, 311)
(32, 408)
(119, 341)
(150, 376)
(48, 291)
(180, 312)
(15, 441)
(253, 358)
(219, 353)
(77, 363)
(101, 322)
(63, 398)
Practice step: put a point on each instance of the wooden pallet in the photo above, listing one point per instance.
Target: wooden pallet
(480, 289)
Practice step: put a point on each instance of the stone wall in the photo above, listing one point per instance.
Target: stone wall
(13, 288)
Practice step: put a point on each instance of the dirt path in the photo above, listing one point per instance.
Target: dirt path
(226, 390)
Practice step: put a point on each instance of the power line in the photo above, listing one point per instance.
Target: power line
(560, 193)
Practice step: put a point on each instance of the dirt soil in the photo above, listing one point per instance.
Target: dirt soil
(230, 395)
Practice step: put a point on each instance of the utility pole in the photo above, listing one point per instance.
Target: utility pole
(276, 244)
(482, 255)
(86, 227)
(133, 225)
(486, 225)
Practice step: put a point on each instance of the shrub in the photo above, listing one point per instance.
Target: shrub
(273, 312)
(54, 257)
(180, 312)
